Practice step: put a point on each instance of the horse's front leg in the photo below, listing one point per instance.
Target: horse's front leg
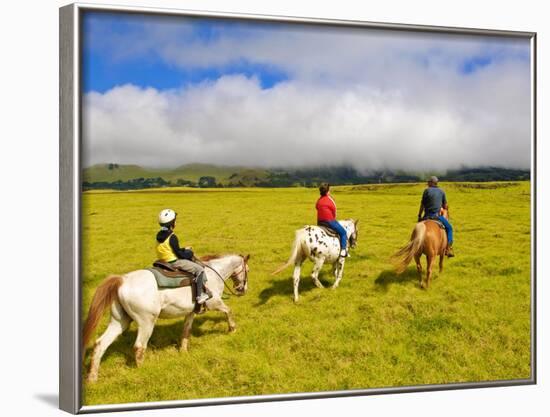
(217, 304)
(187, 325)
(315, 273)
(340, 273)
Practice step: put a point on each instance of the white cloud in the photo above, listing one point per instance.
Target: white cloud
(233, 121)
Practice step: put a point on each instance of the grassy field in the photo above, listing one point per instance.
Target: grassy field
(376, 330)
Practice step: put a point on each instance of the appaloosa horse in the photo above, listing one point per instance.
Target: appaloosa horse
(428, 238)
(314, 243)
(135, 296)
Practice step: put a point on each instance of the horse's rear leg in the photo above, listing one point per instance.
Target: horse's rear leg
(431, 261)
(187, 325)
(441, 259)
(119, 322)
(145, 330)
(315, 273)
(418, 264)
(296, 278)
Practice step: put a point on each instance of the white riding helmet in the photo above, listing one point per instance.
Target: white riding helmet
(167, 216)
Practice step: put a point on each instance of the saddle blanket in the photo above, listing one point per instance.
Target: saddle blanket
(164, 281)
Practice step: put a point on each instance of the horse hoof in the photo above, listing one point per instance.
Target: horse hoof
(140, 356)
(92, 378)
(232, 330)
(184, 348)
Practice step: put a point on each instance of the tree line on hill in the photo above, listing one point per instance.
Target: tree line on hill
(312, 177)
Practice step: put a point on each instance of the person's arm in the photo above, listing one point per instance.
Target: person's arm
(420, 211)
(331, 204)
(180, 252)
(444, 201)
(421, 208)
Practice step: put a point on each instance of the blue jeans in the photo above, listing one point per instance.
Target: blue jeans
(448, 229)
(337, 227)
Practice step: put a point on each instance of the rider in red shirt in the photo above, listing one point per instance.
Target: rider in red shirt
(326, 216)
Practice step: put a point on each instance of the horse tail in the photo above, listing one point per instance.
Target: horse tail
(104, 296)
(403, 256)
(296, 246)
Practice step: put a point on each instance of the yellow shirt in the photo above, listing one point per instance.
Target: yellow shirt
(165, 252)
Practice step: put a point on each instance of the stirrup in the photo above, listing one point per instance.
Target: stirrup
(203, 298)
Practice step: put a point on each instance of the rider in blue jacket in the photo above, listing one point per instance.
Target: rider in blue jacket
(433, 199)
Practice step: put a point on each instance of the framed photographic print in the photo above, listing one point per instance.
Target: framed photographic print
(258, 208)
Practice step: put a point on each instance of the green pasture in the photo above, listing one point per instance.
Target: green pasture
(376, 330)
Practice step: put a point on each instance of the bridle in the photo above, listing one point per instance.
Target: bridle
(244, 282)
(352, 240)
(241, 285)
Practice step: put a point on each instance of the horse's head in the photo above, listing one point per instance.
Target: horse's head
(240, 276)
(354, 233)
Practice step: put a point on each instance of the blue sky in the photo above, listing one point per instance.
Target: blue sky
(103, 71)
(282, 89)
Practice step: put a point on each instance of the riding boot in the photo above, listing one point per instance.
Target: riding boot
(199, 280)
(449, 252)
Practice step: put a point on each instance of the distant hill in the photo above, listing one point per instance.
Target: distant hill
(115, 172)
(190, 172)
(115, 176)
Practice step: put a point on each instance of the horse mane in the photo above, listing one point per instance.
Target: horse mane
(211, 257)
(207, 258)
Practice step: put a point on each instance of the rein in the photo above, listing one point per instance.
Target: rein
(220, 277)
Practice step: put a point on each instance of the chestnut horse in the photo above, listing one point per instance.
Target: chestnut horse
(427, 238)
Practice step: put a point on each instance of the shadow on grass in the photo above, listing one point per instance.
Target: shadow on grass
(389, 277)
(358, 256)
(285, 286)
(163, 336)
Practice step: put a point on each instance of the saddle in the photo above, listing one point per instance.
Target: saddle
(168, 276)
(328, 230)
(436, 220)
(170, 271)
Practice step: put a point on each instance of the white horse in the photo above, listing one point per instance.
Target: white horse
(135, 296)
(314, 243)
